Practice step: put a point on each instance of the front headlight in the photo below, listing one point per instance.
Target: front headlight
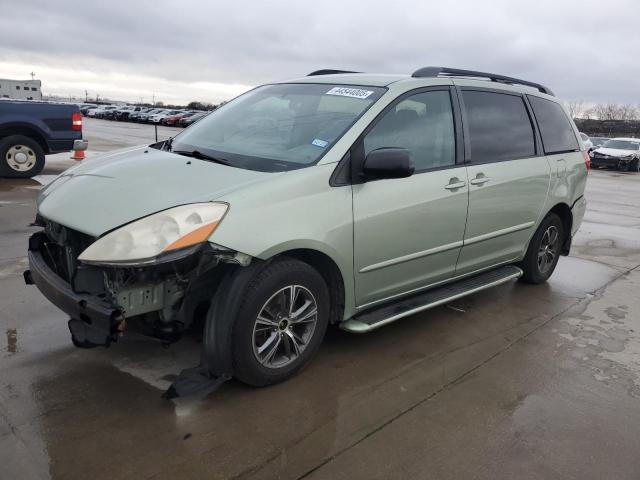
(142, 241)
(591, 154)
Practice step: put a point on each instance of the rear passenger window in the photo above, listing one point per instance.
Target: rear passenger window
(555, 128)
(421, 123)
(499, 126)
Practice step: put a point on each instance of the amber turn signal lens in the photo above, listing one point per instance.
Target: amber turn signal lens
(197, 236)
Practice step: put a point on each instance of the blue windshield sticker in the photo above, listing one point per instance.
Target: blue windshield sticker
(319, 143)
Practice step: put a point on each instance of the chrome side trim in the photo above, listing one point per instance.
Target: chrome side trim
(448, 246)
(356, 326)
(498, 233)
(412, 256)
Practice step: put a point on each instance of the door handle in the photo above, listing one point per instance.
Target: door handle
(480, 179)
(455, 183)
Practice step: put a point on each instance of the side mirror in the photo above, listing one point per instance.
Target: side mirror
(388, 163)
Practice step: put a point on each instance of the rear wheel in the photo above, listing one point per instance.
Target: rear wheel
(544, 250)
(281, 322)
(20, 157)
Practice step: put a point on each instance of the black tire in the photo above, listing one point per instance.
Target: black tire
(633, 166)
(275, 277)
(534, 271)
(20, 143)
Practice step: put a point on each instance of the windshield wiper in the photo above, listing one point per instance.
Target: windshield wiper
(201, 156)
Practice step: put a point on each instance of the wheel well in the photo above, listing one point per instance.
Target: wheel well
(331, 274)
(564, 212)
(27, 132)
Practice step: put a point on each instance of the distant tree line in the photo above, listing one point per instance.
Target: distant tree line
(603, 111)
(606, 119)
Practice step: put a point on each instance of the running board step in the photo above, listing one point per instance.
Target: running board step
(376, 318)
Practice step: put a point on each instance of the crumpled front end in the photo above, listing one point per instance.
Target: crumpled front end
(160, 300)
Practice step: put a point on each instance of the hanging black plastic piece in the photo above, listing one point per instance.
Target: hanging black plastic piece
(196, 380)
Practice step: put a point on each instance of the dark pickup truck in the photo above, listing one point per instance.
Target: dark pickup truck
(31, 130)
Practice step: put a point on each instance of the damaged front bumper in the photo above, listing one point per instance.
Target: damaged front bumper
(161, 300)
(93, 322)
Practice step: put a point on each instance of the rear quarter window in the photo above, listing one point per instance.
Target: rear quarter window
(554, 125)
(499, 126)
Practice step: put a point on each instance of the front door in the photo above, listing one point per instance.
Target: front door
(408, 232)
(508, 179)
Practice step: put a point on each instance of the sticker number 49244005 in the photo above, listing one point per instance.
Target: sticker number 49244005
(350, 92)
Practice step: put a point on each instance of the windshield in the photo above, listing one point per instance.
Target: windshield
(599, 140)
(622, 145)
(278, 127)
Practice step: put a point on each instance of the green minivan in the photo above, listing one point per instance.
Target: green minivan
(337, 198)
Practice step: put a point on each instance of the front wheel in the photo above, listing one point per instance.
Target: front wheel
(544, 250)
(281, 322)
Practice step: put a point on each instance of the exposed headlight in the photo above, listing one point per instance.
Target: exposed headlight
(142, 241)
(591, 154)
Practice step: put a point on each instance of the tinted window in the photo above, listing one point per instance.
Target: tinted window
(555, 128)
(499, 126)
(423, 124)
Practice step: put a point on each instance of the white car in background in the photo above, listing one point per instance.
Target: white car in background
(99, 112)
(619, 153)
(159, 116)
(588, 144)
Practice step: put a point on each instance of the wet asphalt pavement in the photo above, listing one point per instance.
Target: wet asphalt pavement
(519, 381)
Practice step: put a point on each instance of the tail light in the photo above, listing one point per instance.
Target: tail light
(76, 121)
(587, 160)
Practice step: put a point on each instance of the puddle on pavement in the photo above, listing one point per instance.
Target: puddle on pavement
(606, 337)
(7, 185)
(12, 340)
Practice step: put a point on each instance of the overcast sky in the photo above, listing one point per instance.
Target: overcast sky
(183, 50)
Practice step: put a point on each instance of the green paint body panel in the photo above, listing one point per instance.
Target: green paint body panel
(387, 237)
(394, 219)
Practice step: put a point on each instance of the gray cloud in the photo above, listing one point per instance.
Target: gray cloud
(580, 52)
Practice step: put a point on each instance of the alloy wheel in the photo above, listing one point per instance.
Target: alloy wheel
(548, 250)
(284, 326)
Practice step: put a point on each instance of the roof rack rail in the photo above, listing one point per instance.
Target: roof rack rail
(328, 71)
(456, 72)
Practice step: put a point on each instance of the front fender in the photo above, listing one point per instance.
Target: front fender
(291, 211)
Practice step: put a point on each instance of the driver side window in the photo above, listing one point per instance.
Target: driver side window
(421, 123)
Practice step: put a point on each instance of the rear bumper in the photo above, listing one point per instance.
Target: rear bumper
(65, 145)
(92, 322)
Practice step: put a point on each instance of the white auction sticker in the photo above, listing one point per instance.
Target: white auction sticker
(319, 143)
(350, 92)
